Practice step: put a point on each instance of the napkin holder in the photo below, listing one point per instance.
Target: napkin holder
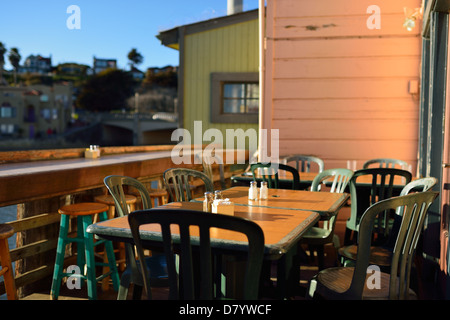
(224, 206)
(92, 153)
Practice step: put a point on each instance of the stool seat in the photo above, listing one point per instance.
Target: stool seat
(6, 231)
(157, 192)
(109, 200)
(83, 209)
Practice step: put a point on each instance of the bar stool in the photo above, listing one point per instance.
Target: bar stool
(109, 200)
(6, 231)
(85, 241)
(159, 195)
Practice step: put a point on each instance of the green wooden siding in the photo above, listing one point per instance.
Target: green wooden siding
(227, 49)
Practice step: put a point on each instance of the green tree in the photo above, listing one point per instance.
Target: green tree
(14, 58)
(135, 57)
(106, 91)
(2, 60)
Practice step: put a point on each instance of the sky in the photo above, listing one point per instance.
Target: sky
(107, 28)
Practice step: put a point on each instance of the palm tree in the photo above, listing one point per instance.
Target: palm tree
(2, 61)
(14, 58)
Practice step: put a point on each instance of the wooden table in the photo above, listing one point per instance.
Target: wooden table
(282, 229)
(326, 204)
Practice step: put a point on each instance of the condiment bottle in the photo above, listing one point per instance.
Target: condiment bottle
(253, 191)
(207, 203)
(218, 195)
(263, 191)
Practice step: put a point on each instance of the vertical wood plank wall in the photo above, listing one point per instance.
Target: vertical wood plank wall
(232, 48)
(337, 89)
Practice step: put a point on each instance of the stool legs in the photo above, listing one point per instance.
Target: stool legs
(60, 252)
(85, 256)
(7, 270)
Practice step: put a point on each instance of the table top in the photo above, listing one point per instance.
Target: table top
(304, 176)
(282, 228)
(326, 204)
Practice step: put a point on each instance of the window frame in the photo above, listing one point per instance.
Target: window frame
(216, 108)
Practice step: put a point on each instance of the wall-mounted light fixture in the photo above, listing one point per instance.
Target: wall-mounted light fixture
(411, 15)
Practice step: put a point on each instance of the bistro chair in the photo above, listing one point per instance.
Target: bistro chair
(195, 252)
(156, 263)
(380, 184)
(269, 172)
(303, 163)
(381, 255)
(177, 181)
(207, 162)
(355, 283)
(386, 163)
(317, 237)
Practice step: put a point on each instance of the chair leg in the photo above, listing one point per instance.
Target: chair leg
(90, 259)
(320, 257)
(123, 292)
(137, 292)
(110, 255)
(59, 263)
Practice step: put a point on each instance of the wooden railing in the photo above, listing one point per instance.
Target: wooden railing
(37, 223)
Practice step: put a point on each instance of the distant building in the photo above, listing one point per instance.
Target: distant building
(137, 74)
(156, 70)
(35, 111)
(36, 64)
(71, 68)
(103, 64)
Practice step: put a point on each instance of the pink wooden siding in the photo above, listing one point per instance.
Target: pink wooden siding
(337, 89)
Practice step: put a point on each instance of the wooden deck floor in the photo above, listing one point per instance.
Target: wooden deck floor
(307, 271)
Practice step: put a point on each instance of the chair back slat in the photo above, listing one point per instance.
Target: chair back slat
(178, 183)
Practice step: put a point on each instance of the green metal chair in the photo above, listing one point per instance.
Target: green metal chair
(386, 163)
(381, 186)
(207, 162)
(317, 237)
(358, 283)
(303, 162)
(269, 172)
(381, 255)
(183, 286)
(156, 263)
(177, 182)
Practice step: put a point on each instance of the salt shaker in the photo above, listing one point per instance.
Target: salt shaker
(207, 203)
(263, 191)
(218, 195)
(253, 191)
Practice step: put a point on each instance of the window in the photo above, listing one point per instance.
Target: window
(6, 129)
(7, 111)
(235, 97)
